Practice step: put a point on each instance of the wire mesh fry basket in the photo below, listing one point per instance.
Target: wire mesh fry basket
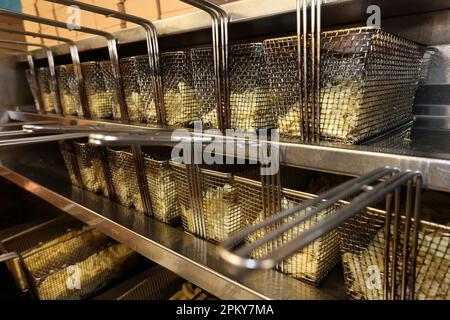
(250, 106)
(70, 160)
(124, 178)
(180, 101)
(89, 162)
(162, 188)
(368, 82)
(100, 90)
(363, 249)
(68, 90)
(139, 93)
(217, 215)
(57, 250)
(48, 95)
(312, 263)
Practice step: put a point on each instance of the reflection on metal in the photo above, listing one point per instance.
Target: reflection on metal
(34, 86)
(151, 36)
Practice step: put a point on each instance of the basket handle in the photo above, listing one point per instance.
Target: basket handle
(309, 127)
(15, 264)
(220, 52)
(152, 47)
(112, 49)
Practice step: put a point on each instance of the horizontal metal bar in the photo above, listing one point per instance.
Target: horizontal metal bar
(33, 140)
(429, 155)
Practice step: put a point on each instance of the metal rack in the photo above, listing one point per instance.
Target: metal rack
(192, 258)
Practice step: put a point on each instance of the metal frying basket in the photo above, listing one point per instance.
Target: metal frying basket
(368, 81)
(312, 263)
(102, 97)
(47, 249)
(161, 182)
(139, 93)
(69, 90)
(48, 95)
(363, 246)
(250, 100)
(180, 101)
(217, 214)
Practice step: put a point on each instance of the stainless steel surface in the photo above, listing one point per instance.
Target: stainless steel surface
(189, 257)
(75, 61)
(427, 151)
(32, 79)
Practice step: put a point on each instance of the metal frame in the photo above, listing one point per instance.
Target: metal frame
(51, 66)
(151, 37)
(305, 68)
(112, 49)
(75, 61)
(220, 52)
(35, 91)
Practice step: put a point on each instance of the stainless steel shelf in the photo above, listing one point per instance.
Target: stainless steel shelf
(39, 170)
(427, 151)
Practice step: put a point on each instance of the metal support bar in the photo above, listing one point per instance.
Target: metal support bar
(51, 65)
(112, 49)
(75, 62)
(49, 138)
(34, 85)
(309, 69)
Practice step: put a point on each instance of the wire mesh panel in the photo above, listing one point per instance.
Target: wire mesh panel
(162, 189)
(69, 156)
(250, 106)
(219, 214)
(68, 90)
(139, 92)
(91, 167)
(48, 95)
(363, 256)
(124, 178)
(100, 90)
(368, 83)
(60, 250)
(312, 263)
(180, 101)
